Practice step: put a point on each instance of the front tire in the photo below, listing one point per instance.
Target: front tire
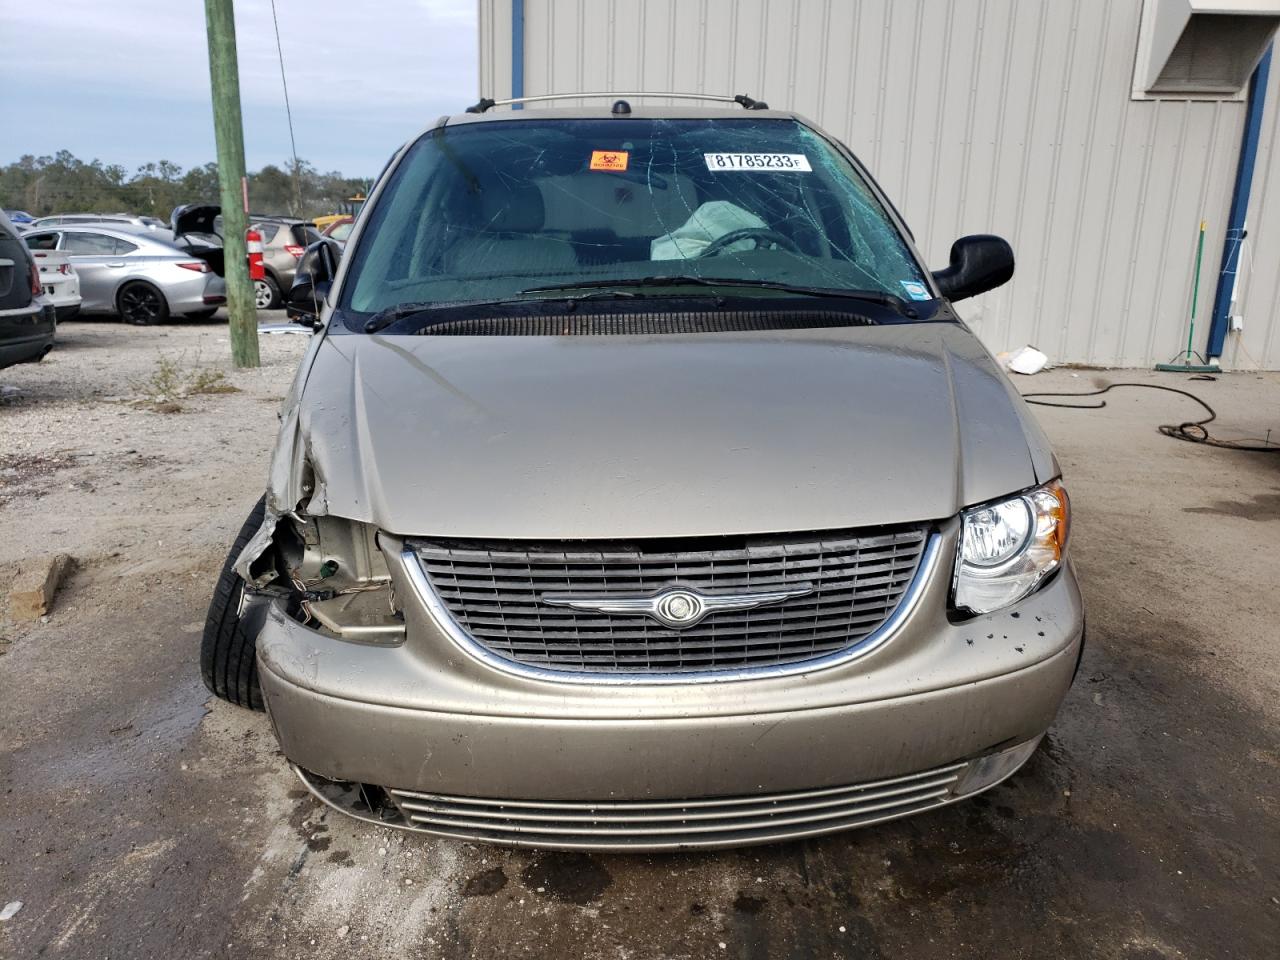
(141, 304)
(266, 293)
(229, 656)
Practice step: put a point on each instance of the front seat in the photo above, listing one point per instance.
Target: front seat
(508, 238)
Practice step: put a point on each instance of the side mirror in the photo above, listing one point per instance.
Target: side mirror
(311, 282)
(979, 263)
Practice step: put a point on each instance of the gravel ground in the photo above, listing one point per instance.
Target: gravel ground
(93, 434)
(142, 819)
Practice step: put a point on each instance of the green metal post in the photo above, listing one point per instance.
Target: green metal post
(1195, 292)
(224, 77)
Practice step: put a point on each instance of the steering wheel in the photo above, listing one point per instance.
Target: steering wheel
(761, 235)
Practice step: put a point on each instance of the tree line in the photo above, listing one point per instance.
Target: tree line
(63, 183)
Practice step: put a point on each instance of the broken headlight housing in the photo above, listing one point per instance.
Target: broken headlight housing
(341, 582)
(1007, 548)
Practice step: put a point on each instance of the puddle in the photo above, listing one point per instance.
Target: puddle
(1262, 507)
(569, 877)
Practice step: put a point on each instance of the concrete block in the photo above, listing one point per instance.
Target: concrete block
(37, 581)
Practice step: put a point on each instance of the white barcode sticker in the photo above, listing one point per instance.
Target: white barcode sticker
(758, 162)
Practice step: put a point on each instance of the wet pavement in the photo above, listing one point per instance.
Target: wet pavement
(142, 819)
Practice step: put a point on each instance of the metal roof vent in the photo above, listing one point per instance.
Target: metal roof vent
(1201, 49)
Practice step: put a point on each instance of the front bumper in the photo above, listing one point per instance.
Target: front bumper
(425, 717)
(671, 824)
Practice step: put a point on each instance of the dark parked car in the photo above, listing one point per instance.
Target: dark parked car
(27, 322)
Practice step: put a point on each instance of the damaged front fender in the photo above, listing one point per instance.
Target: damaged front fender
(294, 486)
(284, 494)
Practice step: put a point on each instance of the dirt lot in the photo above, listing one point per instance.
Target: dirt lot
(142, 819)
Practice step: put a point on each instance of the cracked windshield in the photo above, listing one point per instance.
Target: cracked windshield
(502, 209)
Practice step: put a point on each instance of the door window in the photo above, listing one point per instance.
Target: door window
(41, 241)
(89, 245)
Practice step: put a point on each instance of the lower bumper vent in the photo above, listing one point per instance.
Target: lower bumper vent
(655, 825)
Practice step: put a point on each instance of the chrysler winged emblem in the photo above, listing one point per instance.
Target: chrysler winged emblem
(676, 607)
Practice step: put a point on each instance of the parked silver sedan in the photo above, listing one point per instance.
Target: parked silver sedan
(142, 278)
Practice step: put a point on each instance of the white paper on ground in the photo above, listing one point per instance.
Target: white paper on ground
(1027, 360)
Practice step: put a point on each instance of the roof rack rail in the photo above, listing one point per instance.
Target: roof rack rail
(748, 103)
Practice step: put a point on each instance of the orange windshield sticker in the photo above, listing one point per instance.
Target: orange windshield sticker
(608, 159)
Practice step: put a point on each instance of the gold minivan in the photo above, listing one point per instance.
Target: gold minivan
(641, 489)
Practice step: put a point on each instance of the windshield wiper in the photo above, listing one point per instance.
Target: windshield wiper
(868, 296)
(384, 318)
(607, 289)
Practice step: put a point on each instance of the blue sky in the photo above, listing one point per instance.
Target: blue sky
(127, 81)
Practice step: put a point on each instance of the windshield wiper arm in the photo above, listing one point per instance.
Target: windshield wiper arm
(385, 318)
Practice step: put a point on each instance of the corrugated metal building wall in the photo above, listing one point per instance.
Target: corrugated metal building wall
(1003, 116)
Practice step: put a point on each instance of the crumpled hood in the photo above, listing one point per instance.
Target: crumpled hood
(620, 437)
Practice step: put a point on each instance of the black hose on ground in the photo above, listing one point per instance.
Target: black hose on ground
(1193, 431)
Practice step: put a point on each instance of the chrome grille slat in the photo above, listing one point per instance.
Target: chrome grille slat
(680, 823)
(511, 584)
(684, 828)
(628, 553)
(629, 577)
(668, 567)
(511, 599)
(749, 635)
(695, 803)
(855, 601)
(676, 815)
(494, 591)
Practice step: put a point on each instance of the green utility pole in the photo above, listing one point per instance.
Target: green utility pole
(224, 77)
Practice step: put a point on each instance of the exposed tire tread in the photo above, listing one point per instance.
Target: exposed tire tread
(228, 657)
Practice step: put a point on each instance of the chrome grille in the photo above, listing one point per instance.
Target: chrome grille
(671, 824)
(494, 591)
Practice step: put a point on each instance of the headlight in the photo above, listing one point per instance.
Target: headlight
(1007, 548)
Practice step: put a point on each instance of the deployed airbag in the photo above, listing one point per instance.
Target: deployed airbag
(708, 223)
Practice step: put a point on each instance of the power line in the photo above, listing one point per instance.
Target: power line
(288, 112)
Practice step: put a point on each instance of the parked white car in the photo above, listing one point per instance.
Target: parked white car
(60, 281)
